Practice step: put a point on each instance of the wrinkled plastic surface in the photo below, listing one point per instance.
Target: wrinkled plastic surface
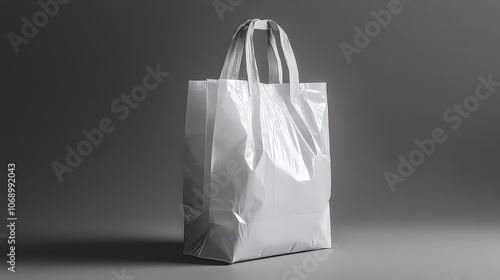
(256, 170)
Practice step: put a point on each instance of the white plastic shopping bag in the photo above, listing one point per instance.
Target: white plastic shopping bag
(256, 159)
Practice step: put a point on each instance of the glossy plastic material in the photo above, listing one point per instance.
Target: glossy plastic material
(257, 159)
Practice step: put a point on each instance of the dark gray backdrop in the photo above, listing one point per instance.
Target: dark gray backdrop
(120, 205)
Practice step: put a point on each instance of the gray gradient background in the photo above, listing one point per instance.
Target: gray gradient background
(119, 208)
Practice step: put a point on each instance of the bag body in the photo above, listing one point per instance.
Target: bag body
(256, 159)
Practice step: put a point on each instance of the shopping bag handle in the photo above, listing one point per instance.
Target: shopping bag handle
(251, 64)
(232, 64)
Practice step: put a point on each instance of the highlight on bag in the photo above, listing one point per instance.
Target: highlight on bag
(256, 158)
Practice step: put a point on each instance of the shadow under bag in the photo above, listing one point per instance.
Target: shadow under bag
(256, 158)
